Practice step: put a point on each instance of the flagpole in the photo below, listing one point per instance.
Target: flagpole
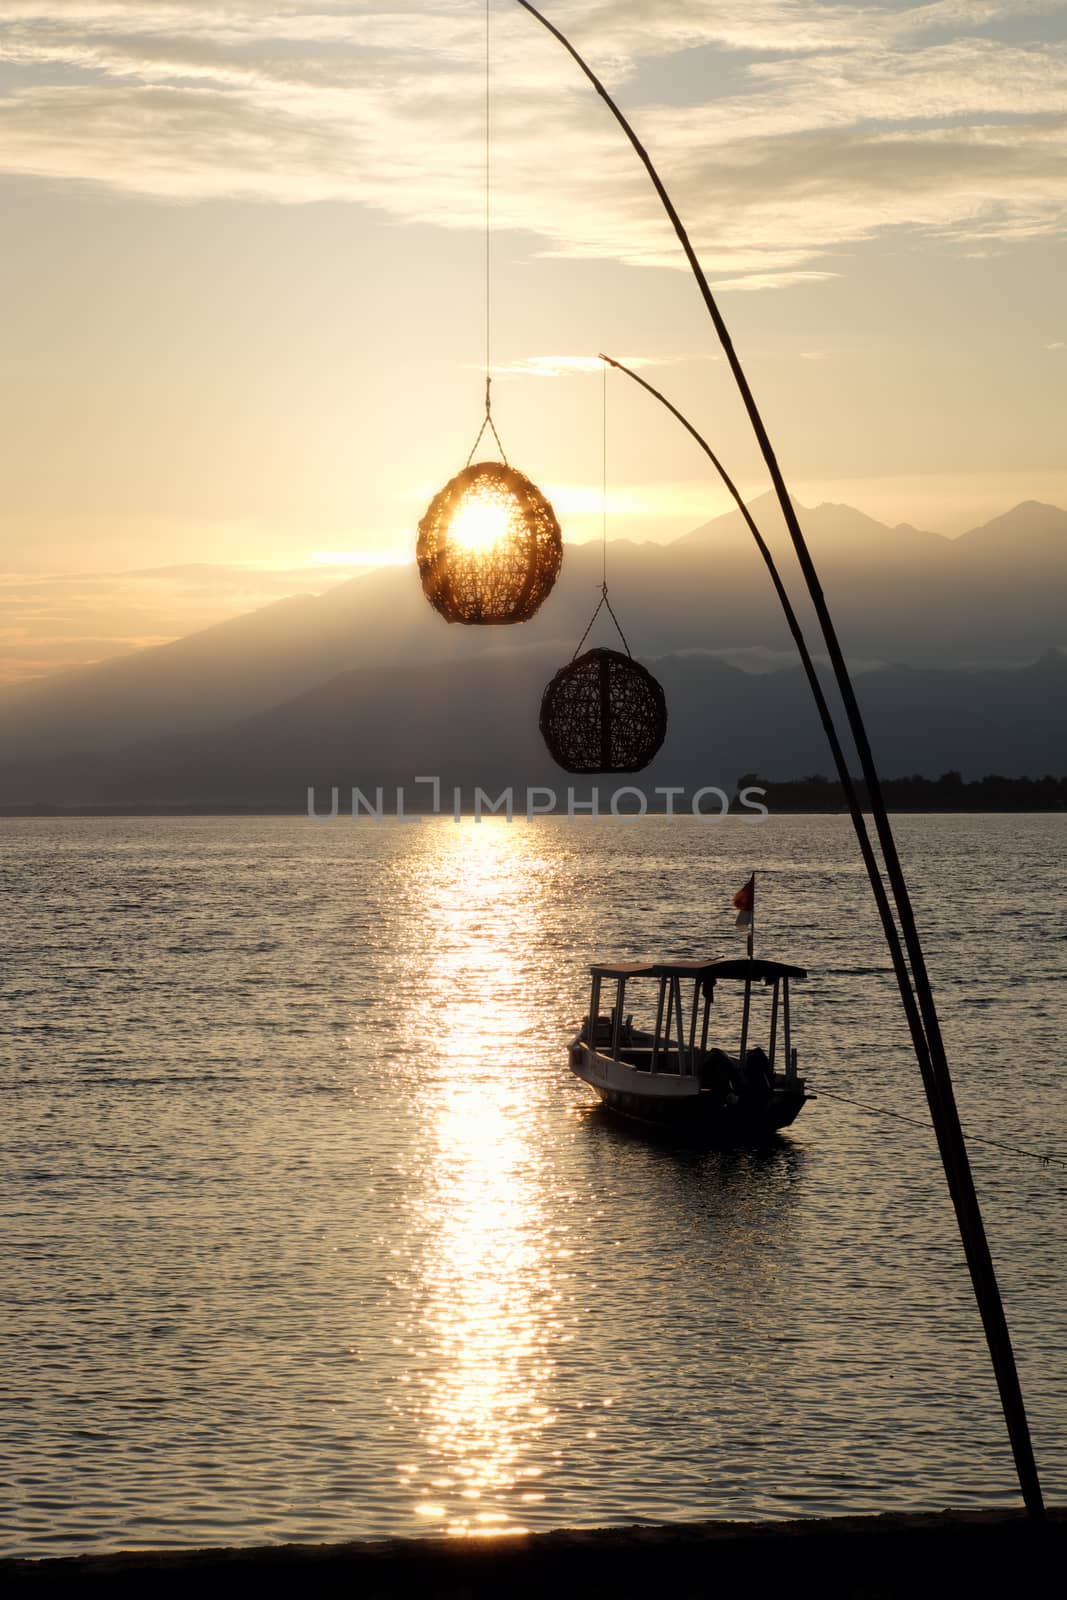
(752, 923)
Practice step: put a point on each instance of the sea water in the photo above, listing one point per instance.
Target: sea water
(309, 1233)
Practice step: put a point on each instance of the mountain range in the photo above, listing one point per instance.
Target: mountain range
(956, 642)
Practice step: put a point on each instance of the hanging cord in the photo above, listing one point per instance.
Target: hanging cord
(604, 478)
(604, 601)
(487, 421)
(917, 1122)
(488, 364)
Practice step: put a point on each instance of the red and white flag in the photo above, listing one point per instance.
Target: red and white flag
(745, 904)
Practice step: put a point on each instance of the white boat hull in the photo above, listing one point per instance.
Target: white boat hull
(677, 1102)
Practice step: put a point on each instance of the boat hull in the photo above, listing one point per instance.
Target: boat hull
(678, 1106)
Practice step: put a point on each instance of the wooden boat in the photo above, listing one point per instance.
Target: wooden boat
(676, 1077)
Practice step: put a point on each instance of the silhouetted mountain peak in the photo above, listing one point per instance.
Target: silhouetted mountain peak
(897, 593)
(831, 528)
(1031, 528)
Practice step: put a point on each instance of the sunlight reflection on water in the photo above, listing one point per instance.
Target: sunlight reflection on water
(485, 1299)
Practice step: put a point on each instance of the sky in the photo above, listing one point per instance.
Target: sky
(242, 287)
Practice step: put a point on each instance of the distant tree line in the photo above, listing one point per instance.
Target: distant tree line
(949, 792)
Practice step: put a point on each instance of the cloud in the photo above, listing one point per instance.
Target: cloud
(837, 123)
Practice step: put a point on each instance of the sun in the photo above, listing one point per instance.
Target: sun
(481, 522)
(489, 546)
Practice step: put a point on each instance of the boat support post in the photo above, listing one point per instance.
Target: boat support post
(676, 985)
(746, 1008)
(616, 1030)
(659, 1024)
(774, 1021)
(790, 1059)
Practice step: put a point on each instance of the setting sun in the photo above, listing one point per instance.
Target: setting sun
(481, 523)
(489, 546)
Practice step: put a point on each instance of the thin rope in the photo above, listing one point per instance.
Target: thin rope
(488, 364)
(916, 1122)
(487, 422)
(603, 601)
(589, 629)
(617, 623)
(604, 475)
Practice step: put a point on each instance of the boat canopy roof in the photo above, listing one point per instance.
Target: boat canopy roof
(732, 969)
(622, 969)
(758, 970)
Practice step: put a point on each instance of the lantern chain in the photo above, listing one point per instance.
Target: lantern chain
(487, 422)
(488, 191)
(604, 476)
(604, 601)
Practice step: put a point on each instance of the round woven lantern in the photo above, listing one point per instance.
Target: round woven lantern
(489, 546)
(603, 712)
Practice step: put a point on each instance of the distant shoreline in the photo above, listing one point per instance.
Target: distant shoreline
(814, 796)
(1024, 797)
(74, 813)
(986, 1552)
(948, 793)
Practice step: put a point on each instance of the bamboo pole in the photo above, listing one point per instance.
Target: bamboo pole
(822, 706)
(933, 1062)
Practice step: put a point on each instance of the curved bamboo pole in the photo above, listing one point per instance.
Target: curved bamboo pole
(937, 1079)
(885, 912)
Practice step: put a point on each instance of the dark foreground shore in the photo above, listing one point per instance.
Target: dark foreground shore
(950, 1553)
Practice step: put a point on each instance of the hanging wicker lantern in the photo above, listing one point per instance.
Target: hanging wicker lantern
(603, 712)
(489, 546)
